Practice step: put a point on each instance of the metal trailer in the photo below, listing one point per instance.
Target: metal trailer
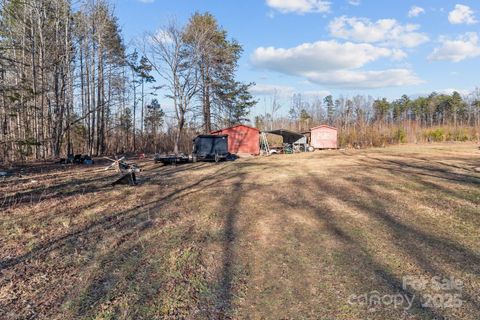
(210, 147)
(171, 159)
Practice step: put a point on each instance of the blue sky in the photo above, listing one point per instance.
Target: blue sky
(315, 47)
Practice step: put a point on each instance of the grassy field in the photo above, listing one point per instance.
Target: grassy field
(302, 236)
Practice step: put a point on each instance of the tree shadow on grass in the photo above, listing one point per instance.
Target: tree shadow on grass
(118, 220)
(410, 240)
(360, 263)
(222, 291)
(431, 182)
(232, 202)
(428, 170)
(77, 185)
(123, 226)
(41, 193)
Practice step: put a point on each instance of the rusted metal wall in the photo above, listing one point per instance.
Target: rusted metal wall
(324, 137)
(242, 139)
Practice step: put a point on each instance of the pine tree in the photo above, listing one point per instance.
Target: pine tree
(216, 63)
(328, 100)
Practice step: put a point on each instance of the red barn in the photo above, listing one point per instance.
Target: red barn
(323, 137)
(242, 139)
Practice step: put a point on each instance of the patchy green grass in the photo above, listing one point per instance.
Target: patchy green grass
(293, 236)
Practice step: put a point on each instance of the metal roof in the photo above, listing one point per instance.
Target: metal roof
(211, 136)
(323, 126)
(234, 126)
(288, 136)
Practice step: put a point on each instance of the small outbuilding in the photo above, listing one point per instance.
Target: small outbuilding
(323, 137)
(242, 139)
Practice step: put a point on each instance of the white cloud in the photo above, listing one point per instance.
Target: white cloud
(357, 79)
(321, 55)
(415, 11)
(463, 92)
(271, 14)
(456, 50)
(147, 1)
(161, 36)
(316, 93)
(462, 14)
(299, 6)
(270, 89)
(383, 31)
(354, 2)
(262, 89)
(335, 64)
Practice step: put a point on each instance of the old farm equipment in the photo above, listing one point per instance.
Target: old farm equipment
(210, 147)
(125, 170)
(171, 159)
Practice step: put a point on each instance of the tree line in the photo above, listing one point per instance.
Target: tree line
(69, 83)
(364, 121)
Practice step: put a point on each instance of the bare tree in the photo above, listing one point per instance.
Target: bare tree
(172, 58)
(275, 106)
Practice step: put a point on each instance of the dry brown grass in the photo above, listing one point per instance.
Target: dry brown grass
(289, 236)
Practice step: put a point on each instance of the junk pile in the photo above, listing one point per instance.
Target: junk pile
(125, 170)
(4, 174)
(77, 159)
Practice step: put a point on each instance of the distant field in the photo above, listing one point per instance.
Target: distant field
(303, 236)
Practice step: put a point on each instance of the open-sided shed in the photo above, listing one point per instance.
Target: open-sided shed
(242, 139)
(290, 137)
(323, 137)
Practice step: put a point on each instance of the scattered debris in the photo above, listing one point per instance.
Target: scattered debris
(128, 179)
(77, 159)
(126, 170)
(292, 142)
(87, 160)
(115, 163)
(232, 157)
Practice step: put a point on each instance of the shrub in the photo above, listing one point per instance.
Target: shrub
(400, 135)
(458, 135)
(436, 135)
